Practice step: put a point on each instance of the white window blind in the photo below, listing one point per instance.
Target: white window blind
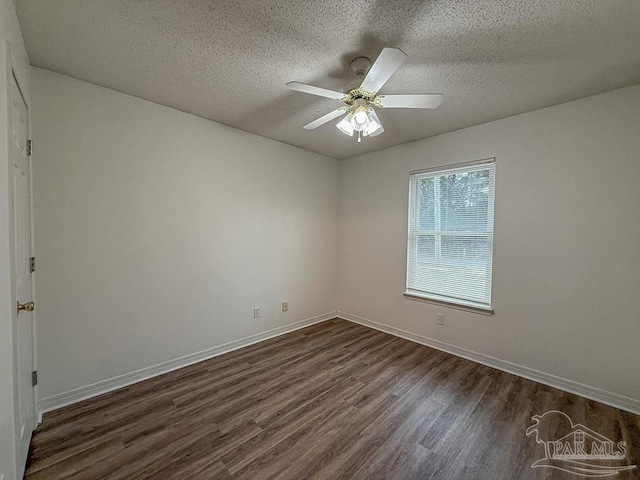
(450, 246)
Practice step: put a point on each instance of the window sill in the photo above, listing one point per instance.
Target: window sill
(465, 306)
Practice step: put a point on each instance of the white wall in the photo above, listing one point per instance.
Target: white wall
(157, 232)
(566, 278)
(9, 32)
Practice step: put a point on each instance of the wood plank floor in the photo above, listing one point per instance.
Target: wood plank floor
(332, 401)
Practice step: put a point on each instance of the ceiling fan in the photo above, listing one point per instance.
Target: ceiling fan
(361, 96)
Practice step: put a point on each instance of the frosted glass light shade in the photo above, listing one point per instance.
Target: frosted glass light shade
(344, 125)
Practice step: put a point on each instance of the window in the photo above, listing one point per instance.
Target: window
(450, 244)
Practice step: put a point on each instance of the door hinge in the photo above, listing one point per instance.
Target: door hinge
(29, 147)
(34, 378)
(32, 265)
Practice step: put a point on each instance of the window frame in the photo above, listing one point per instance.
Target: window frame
(449, 301)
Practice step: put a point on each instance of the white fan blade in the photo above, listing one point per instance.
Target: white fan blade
(323, 92)
(374, 116)
(325, 118)
(385, 65)
(410, 101)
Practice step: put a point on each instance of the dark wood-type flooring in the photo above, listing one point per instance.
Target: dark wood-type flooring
(333, 401)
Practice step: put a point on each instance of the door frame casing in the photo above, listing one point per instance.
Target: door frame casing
(13, 75)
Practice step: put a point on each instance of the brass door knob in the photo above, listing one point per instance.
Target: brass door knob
(27, 306)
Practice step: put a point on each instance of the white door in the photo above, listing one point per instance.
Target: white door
(23, 327)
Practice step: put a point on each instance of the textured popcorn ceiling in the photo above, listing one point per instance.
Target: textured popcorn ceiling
(229, 60)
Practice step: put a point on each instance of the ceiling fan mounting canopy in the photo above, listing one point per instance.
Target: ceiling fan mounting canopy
(360, 66)
(361, 96)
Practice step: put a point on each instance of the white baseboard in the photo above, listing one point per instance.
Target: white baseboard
(105, 386)
(608, 398)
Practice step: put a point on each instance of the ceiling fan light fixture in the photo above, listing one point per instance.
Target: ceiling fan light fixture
(360, 119)
(360, 116)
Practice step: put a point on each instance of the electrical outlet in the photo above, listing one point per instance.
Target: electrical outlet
(285, 306)
(256, 312)
(441, 319)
